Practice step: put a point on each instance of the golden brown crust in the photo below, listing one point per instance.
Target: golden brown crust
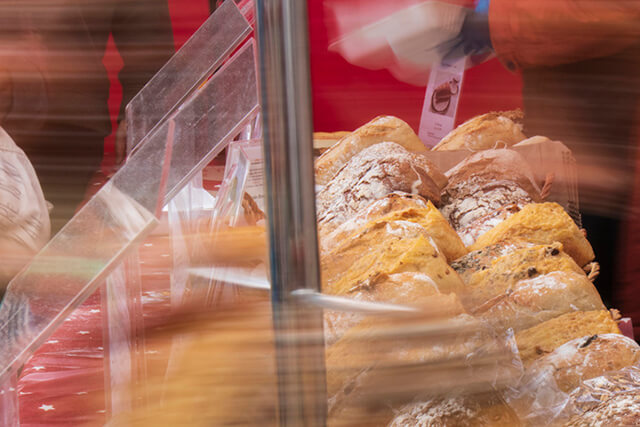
(505, 272)
(380, 129)
(542, 339)
(382, 249)
(430, 218)
(541, 223)
(587, 357)
(491, 130)
(535, 300)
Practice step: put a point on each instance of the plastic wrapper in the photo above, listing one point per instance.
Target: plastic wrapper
(552, 390)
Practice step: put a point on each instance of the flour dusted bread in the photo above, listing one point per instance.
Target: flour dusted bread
(380, 129)
(495, 165)
(540, 298)
(491, 130)
(428, 217)
(585, 358)
(485, 189)
(372, 174)
(473, 410)
(622, 409)
(482, 259)
(380, 250)
(415, 290)
(545, 337)
(541, 223)
(501, 276)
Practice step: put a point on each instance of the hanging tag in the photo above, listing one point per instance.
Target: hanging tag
(441, 101)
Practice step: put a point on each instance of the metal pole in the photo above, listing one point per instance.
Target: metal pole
(282, 27)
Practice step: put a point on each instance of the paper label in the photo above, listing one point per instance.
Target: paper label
(441, 101)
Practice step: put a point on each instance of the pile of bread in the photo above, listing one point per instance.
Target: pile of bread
(478, 241)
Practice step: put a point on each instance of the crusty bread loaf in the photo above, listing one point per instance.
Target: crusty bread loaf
(533, 140)
(485, 189)
(396, 201)
(491, 165)
(372, 174)
(622, 409)
(506, 271)
(545, 337)
(358, 364)
(590, 393)
(380, 129)
(540, 298)
(586, 357)
(473, 410)
(382, 249)
(541, 223)
(482, 259)
(409, 289)
(436, 226)
(491, 130)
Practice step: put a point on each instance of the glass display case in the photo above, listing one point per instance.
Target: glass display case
(430, 265)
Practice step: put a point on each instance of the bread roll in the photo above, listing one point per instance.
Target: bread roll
(380, 250)
(491, 130)
(475, 410)
(540, 298)
(380, 129)
(545, 337)
(541, 223)
(436, 226)
(586, 357)
(483, 286)
(371, 175)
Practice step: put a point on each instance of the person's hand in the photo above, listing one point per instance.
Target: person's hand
(474, 38)
(121, 143)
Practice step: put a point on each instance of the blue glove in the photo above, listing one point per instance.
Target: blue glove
(474, 37)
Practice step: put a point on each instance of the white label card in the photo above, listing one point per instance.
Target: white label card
(441, 101)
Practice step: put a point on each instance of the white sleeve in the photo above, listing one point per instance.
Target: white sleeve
(24, 217)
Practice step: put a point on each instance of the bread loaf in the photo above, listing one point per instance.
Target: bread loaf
(492, 165)
(482, 287)
(545, 337)
(622, 409)
(586, 357)
(485, 189)
(475, 410)
(491, 130)
(540, 298)
(371, 175)
(541, 223)
(436, 226)
(380, 129)
(482, 259)
(380, 250)
(595, 391)
(409, 289)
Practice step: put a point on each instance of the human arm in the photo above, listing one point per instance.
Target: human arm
(527, 33)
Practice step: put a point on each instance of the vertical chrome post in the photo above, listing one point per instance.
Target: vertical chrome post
(283, 39)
